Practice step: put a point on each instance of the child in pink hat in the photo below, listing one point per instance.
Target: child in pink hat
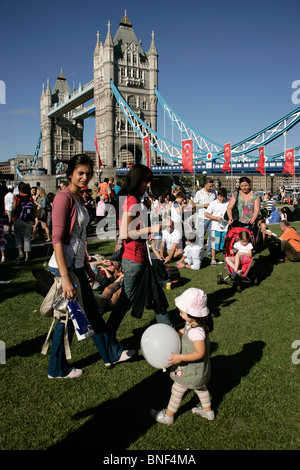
(192, 369)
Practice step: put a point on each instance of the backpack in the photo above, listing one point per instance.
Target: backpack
(26, 210)
(173, 275)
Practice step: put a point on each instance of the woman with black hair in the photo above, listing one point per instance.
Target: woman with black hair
(69, 221)
(134, 231)
(247, 202)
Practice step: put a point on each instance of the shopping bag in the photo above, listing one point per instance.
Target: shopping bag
(81, 324)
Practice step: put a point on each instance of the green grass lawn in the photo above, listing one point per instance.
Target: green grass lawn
(254, 384)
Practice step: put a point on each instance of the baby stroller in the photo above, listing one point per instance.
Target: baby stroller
(230, 238)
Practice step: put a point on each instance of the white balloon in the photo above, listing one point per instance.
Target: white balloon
(157, 343)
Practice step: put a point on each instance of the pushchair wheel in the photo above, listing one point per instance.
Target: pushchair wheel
(219, 279)
(255, 281)
(239, 288)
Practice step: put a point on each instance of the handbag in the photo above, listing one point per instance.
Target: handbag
(39, 213)
(235, 210)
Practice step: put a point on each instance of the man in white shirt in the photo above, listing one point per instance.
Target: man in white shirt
(202, 200)
(171, 246)
(8, 205)
(216, 211)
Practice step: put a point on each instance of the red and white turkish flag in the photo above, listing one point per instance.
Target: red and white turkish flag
(261, 161)
(227, 156)
(98, 154)
(187, 155)
(289, 166)
(146, 141)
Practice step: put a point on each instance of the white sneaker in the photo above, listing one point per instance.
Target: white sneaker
(210, 415)
(240, 272)
(161, 417)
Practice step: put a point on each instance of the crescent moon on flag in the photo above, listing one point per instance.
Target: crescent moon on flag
(187, 147)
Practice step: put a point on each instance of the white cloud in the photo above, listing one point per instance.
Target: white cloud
(24, 112)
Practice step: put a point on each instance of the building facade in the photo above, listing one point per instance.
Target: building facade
(135, 74)
(62, 137)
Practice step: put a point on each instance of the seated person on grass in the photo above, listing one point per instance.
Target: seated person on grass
(192, 254)
(287, 246)
(171, 246)
(109, 280)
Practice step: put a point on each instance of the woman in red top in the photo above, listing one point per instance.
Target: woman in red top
(134, 231)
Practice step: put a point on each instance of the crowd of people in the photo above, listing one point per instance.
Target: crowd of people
(152, 232)
(26, 212)
(185, 219)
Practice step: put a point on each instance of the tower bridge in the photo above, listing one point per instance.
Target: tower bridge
(123, 97)
(122, 60)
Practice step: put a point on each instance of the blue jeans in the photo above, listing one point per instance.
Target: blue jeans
(108, 347)
(133, 273)
(203, 226)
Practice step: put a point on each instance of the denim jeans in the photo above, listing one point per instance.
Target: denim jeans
(203, 226)
(108, 347)
(133, 273)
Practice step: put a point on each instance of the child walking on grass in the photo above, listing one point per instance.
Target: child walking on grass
(242, 251)
(193, 363)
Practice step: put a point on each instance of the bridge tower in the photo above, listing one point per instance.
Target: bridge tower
(135, 73)
(62, 137)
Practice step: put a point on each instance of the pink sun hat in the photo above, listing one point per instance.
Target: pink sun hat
(193, 302)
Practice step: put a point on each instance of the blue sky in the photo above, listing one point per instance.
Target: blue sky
(226, 67)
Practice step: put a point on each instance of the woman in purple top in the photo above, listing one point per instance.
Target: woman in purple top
(69, 221)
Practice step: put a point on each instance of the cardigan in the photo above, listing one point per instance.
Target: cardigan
(63, 216)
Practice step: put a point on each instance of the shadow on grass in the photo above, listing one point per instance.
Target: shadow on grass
(20, 273)
(220, 299)
(262, 268)
(227, 371)
(117, 423)
(27, 348)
